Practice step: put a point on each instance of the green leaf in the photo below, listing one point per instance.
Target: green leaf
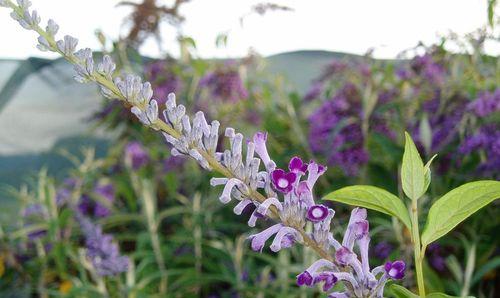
(374, 198)
(401, 292)
(455, 206)
(412, 170)
(427, 173)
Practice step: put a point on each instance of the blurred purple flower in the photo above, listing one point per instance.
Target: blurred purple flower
(486, 104)
(436, 255)
(163, 79)
(225, 84)
(486, 139)
(314, 92)
(334, 133)
(102, 252)
(135, 155)
(172, 163)
(382, 250)
(63, 194)
(333, 68)
(431, 70)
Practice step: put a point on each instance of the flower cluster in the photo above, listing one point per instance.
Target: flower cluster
(101, 250)
(487, 140)
(136, 155)
(243, 181)
(333, 134)
(225, 84)
(163, 78)
(354, 272)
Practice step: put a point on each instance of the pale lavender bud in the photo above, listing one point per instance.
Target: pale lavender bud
(259, 139)
(259, 239)
(238, 209)
(52, 28)
(106, 67)
(285, 237)
(67, 46)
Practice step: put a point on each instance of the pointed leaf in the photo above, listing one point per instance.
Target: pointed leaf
(412, 170)
(455, 206)
(427, 173)
(374, 198)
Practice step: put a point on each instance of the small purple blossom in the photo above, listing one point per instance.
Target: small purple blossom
(63, 194)
(395, 270)
(317, 213)
(135, 155)
(297, 166)
(328, 278)
(314, 92)
(486, 104)
(225, 84)
(163, 78)
(382, 250)
(282, 180)
(305, 279)
(101, 250)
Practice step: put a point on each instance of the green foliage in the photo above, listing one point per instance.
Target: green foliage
(374, 198)
(456, 206)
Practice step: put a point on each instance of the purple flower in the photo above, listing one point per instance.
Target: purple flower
(172, 163)
(297, 166)
(163, 78)
(335, 130)
(135, 155)
(328, 279)
(314, 92)
(317, 213)
(486, 104)
(304, 279)
(63, 194)
(282, 180)
(382, 250)
(431, 70)
(101, 250)
(395, 270)
(225, 84)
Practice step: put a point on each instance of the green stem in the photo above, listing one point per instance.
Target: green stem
(418, 252)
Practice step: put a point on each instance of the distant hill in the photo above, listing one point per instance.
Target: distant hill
(301, 67)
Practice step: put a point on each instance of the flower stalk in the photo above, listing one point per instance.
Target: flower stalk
(419, 252)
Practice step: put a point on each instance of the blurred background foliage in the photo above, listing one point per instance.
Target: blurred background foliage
(346, 111)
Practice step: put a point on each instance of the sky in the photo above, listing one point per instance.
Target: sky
(353, 26)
